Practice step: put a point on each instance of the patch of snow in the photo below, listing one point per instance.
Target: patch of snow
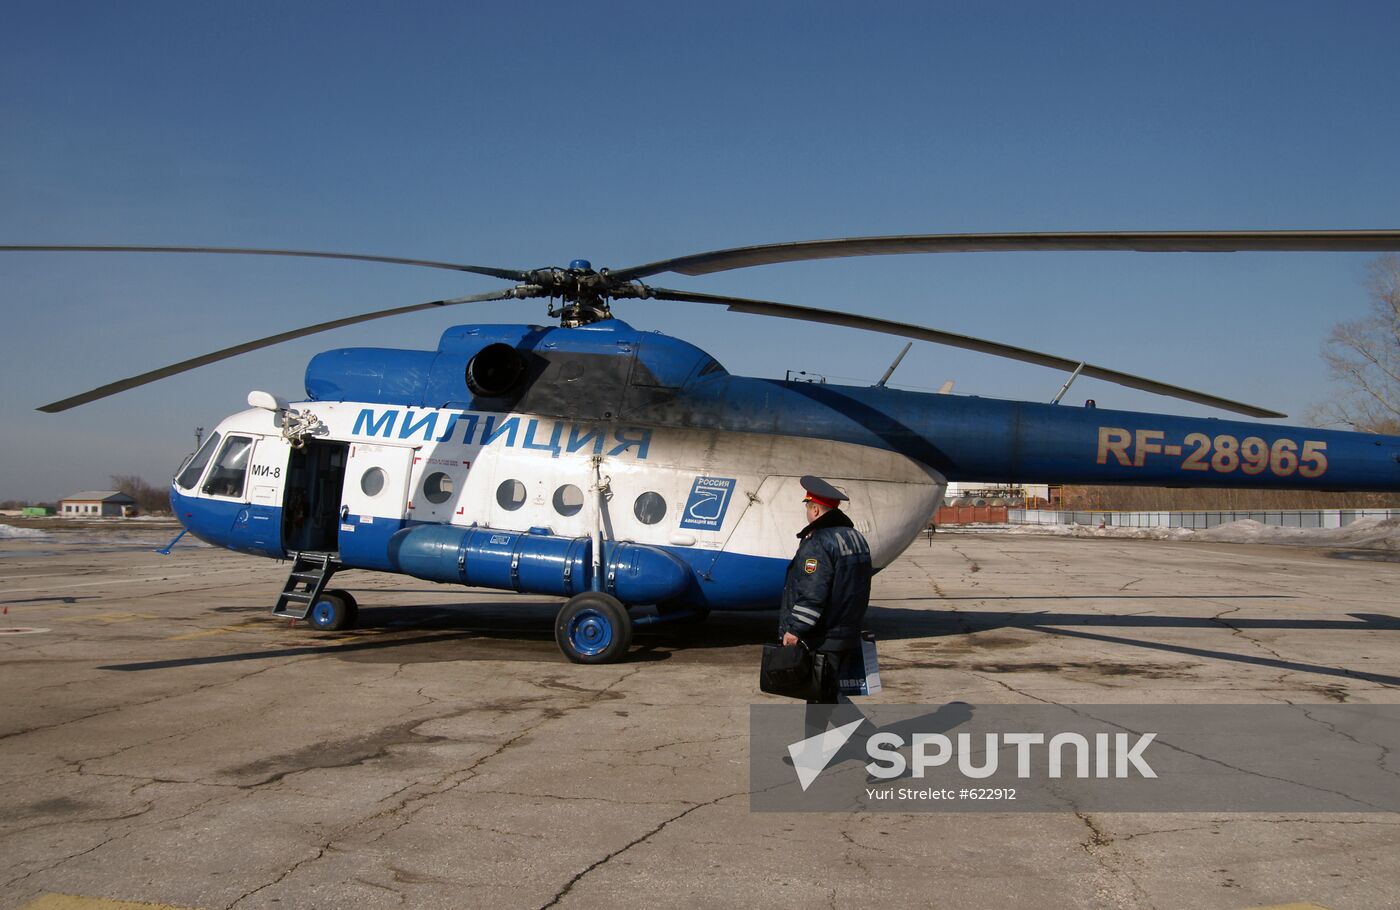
(9, 532)
(1362, 534)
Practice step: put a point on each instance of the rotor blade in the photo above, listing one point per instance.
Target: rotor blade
(1143, 242)
(952, 339)
(508, 274)
(132, 382)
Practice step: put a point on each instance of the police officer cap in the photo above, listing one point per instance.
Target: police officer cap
(821, 490)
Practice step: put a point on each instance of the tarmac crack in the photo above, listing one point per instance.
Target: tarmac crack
(405, 809)
(657, 747)
(1335, 692)
(552, 797)
(145, 781)
(1100, 847)
(972, 564)
(29, 829)
(394, 891)
(933, 582)
(851, 858)
(1127, 837)
(569, 885)
(1381, 761)
(111, 709)
(79, 765)
(1238, 632)
(7, 886)
(1224, 764)
(1010, 688)
(320, 852)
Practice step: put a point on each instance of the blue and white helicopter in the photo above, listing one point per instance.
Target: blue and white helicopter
(623, 469)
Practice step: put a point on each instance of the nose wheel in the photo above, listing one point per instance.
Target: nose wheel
(593, 628)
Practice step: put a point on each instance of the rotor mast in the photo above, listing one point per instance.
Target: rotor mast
(584, 292)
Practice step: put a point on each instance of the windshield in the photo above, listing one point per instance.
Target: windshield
(226, 479)
(190, 473)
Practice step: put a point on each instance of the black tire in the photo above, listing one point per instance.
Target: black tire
(332, 612)
(352, 613)
(345, 596)
(593, 628)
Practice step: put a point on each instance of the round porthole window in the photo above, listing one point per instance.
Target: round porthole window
(372, 481)
(437, 488)
(649, 508)
(568, 500)
(510, 495)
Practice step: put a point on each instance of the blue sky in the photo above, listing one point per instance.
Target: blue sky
(628, 132)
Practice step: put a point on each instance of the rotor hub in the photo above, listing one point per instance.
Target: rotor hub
(585, 293)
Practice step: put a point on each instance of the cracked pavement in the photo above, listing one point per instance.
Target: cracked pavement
(168, 741)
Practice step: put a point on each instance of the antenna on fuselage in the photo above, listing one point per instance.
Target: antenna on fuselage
(1068, 382)
(890, 372)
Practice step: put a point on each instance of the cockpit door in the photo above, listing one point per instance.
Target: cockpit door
(372, 506)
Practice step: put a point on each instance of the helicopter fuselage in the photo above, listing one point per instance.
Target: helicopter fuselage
(601, 458)
(714, 511)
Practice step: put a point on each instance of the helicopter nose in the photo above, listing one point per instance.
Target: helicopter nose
(208, 520)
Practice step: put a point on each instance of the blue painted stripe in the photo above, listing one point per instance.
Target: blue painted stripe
(244, 527)
(978, 439)
(367, 546)
(719, 581)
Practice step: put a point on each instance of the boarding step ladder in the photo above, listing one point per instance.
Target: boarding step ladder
(308, 578)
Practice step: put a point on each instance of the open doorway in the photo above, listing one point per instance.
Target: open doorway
(311, 508)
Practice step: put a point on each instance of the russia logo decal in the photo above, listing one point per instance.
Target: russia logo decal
(708, 501)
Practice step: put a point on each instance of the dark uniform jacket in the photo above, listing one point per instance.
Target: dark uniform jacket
(828, 585)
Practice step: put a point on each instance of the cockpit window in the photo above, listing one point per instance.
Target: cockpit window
(711, 368)
(231, 468)
(189, 474)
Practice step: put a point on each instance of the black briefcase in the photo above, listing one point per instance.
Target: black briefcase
(791, 671)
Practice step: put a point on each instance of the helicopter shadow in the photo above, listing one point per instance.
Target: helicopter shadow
(513, 630)
(523, 630)
(932, 625)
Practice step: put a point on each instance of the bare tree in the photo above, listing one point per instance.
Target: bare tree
(1364, 358)
(150, 500)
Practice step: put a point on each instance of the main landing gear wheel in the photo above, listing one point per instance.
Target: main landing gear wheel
(593, 628)
(333, 611)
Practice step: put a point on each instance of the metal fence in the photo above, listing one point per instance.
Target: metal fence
(1198, 521)
(968, 515)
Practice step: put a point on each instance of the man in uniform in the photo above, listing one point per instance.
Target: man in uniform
(828, 584)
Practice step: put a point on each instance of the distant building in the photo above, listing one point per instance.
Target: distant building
(998, 493)
(97, 504)
(987, 503)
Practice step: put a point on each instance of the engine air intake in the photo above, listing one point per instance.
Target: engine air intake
(495, 370)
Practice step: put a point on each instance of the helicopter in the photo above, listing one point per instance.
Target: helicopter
(631, 474)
